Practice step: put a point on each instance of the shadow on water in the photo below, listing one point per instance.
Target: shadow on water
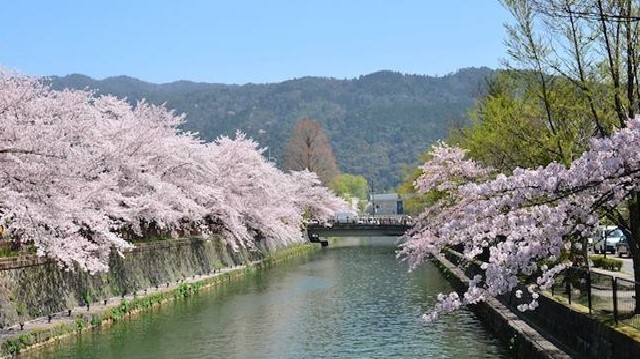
(353, 299)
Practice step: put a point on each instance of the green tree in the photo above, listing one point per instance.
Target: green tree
(350, 186)
(515, 125)
(572, 74)
(414, 202)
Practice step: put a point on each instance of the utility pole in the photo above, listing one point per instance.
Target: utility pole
(271, 159)
(373, 200)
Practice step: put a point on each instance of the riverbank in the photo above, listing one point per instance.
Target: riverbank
(44, 330)
(571, 327)
(524, 340)
(351, 300)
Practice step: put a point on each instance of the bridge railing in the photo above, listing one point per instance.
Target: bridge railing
(373, 220)
(385, 226)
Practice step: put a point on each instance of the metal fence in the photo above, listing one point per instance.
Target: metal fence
(605, 295)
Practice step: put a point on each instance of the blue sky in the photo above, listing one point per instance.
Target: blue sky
(240, 41)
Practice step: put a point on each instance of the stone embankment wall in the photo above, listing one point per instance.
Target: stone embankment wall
(35, 287)
(578, 333)
(585, 334)
(524, 341)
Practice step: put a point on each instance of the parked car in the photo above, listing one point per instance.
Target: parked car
(607, 240)
(600, 233)
(622, 247)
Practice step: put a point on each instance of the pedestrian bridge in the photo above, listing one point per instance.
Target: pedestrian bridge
(361, 227)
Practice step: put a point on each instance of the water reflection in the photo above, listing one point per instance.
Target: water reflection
(353, 299)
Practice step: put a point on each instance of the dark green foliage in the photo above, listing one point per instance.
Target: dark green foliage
(12, 250)
(607, 263)
(376, 123)
(186, 290)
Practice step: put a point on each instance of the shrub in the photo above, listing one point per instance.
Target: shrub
(607, 263)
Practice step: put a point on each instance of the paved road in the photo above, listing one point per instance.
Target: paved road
(627, 265)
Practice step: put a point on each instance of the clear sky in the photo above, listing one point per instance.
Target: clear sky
(240, 41)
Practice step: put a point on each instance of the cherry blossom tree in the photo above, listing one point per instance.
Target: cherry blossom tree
(255, 191)
(51, 194)
(527, 221)
(310, 196)
(82, 175)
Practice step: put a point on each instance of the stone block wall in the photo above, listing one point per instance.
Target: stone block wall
(581, 334)
(32, 287)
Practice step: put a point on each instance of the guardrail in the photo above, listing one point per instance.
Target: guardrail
(605, 295)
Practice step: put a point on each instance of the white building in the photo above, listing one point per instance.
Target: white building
(386, 204)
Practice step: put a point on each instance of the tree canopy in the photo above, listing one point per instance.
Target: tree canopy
(526, 220)
(550, 152)
(81, 174)
(348, 185)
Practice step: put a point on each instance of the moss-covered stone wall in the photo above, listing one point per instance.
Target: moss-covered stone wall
(33, 287)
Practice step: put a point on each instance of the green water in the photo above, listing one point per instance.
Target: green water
(351, 300)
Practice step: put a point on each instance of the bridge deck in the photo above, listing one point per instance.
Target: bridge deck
(358, 229)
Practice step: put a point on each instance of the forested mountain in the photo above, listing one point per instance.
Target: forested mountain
(377, 123)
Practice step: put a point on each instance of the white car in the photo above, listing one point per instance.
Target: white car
(607, 241)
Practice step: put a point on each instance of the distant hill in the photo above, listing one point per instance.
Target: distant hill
(377, 123)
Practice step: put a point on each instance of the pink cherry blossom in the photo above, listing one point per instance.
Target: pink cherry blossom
(523, 221)
(81, 175)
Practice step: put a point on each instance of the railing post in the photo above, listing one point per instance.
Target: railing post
(589, 289)
(567, 285)
(614, 286)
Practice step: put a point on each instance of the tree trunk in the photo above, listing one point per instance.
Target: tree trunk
(634, 244)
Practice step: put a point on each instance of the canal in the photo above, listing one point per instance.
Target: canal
(353, 299)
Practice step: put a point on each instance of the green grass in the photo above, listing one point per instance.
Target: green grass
(7, 252)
